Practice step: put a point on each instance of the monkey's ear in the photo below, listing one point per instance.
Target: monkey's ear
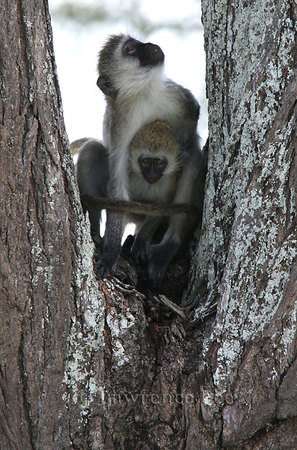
(105, 85)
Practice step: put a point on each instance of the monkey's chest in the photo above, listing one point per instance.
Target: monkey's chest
(140, 190)
(148, 108)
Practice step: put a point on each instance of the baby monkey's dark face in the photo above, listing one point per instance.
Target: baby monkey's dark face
(148, 54)
(152, 168)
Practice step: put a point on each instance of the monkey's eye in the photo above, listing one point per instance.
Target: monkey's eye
(129, 49)
(161, 163)
(146, 161)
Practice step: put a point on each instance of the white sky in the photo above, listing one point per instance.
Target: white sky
(76, 49)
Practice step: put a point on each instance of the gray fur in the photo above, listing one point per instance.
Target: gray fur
(137, 95)
(155, 140)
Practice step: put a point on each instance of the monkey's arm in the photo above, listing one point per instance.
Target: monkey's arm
(117, 189)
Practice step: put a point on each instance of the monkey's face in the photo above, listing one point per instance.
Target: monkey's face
(145, 54)
(154, 152)
(153, 165)
(152, 168)
(127, 65)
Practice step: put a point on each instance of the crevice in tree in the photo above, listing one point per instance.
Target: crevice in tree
(173, 286)
(172, 353)
(25, 389)
(108, 346)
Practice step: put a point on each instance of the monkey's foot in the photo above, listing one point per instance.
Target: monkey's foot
(101, 271)
(160, 258)
(101, 268)
(139, 251)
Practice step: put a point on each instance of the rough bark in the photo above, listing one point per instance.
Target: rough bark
(247, 253)
(48, 294)
(83, 367)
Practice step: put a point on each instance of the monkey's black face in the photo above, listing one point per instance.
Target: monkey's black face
(152, 168)
(148, 54)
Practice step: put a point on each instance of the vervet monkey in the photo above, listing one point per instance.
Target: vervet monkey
(137, 93)
(154, 169)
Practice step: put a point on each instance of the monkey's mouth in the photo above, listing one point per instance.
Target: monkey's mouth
(151, 179)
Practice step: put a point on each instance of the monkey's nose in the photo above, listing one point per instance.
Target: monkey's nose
(151, 55)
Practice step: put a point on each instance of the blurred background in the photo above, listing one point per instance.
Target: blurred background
(80, 28)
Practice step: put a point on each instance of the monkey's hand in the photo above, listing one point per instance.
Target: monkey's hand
(160, 257)
(140, 250)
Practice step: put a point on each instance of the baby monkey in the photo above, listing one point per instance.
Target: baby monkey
(155, 166)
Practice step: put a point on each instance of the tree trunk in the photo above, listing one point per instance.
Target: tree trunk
(111, 368)
(49, 297)
(247, 252)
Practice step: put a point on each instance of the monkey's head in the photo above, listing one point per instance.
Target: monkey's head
(154, 152)
(127, 64)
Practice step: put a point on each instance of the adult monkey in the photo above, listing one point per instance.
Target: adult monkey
(137, 93)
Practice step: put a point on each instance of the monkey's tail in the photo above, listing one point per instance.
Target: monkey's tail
(146, 208)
